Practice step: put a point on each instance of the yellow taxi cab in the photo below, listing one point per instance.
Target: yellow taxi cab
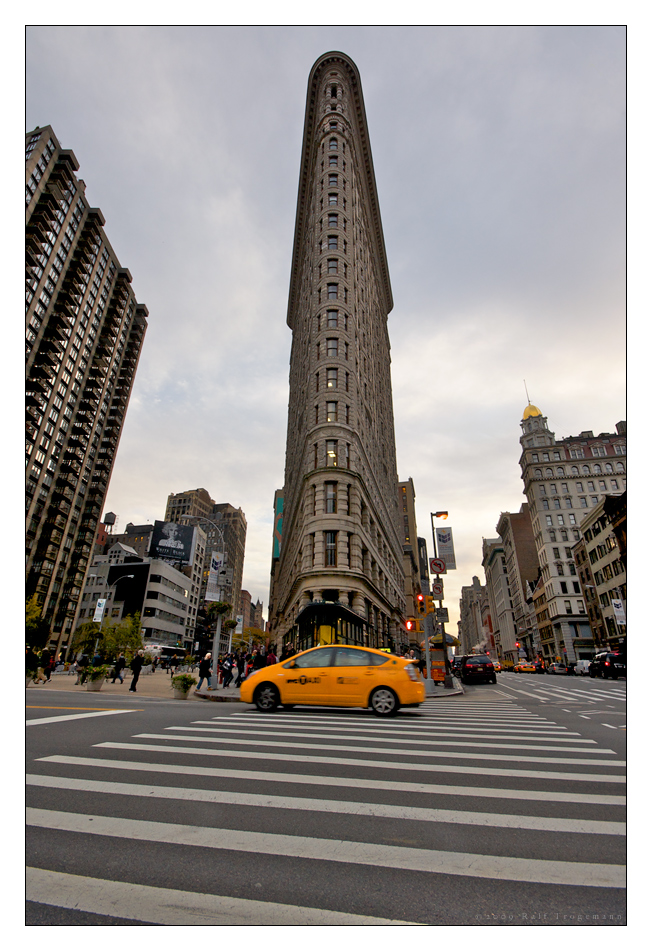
(527, 668)
(338, 675)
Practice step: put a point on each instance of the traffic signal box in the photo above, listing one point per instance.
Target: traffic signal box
(421, 603)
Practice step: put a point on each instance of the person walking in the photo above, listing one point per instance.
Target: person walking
(259, 660)
(241, 666)
(205, 671)
(227, 667)
(136, 667)
(119, 666)
(271, 657)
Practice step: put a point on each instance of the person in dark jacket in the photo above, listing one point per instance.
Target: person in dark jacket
(136, 667)
(118, 667)
(205, 671)
(82, 669)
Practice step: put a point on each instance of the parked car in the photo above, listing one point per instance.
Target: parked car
(556, 669)
(539, 667)
(582, 668)
(477, 667)
(608, 664)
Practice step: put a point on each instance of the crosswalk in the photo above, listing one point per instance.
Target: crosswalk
(328, 817)
(542, 689)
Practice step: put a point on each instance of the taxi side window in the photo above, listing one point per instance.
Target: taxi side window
(318, 658)
(378, 659)
(349, 657)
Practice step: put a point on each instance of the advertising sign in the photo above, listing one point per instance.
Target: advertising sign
(619, 612)
(214, 574)
(278, 524)
(173, 542)
(445, 548)
(99, 609)
(240, 623)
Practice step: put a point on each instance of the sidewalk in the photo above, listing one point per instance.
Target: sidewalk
(155, 686)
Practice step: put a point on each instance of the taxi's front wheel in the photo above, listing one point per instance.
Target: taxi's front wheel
(266, 698)
(384, 702)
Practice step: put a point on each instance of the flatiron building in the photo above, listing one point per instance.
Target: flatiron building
(337, 565)
(84, 333)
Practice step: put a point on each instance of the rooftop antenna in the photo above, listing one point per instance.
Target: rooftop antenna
(526, 392)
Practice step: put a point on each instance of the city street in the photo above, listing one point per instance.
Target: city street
(502, 806)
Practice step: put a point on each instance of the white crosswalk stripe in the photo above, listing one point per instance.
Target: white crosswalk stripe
(272, 785)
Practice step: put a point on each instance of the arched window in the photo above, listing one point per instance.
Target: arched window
(548, 473)
(537, 473)
(597, 469)
(560, 471)
(332, 145)
(575, 471)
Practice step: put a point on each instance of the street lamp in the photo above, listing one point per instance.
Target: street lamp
(112, 584)
(218, 627)
(448, 679)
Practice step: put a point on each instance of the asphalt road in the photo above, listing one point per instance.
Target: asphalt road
(501, 807)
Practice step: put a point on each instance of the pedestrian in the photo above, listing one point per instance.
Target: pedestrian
(227, 667)
(271, 657)
(205, 671)
(259, 660)
(136, 667)
(82, 669)
(119, 666)
(241, 667)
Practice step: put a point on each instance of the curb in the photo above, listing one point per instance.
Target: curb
(216, 697)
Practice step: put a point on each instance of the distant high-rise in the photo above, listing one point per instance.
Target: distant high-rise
(338, 571)
(84, 334)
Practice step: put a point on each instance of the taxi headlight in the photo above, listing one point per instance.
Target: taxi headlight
(411, 672)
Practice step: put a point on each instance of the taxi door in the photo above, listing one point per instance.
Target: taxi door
(353, 676)
(308, 677)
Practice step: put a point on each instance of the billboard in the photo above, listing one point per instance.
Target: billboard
(173, 542)
(278, 523)
(445, 549)
(215, 576)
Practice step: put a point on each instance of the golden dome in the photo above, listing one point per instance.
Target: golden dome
(531, 410)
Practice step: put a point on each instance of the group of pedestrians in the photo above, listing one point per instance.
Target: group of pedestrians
(237, 665)
(41, 665)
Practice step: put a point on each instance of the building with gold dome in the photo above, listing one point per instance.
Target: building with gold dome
(563, 479)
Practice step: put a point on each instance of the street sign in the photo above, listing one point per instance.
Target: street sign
(99, 609)
(437, 566)
(438, 590)
(441, 615)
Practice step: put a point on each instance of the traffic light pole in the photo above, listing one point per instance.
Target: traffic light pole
(448, 679)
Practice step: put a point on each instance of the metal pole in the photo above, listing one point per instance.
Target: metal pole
(448, 679)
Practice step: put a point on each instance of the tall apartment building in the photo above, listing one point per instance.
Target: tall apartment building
(226, 531)
(563, 479)
(84, 334)
(522, 563)
(339, 572)
(475, 633)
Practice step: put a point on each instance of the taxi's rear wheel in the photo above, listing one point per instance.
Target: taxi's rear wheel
(384, 702)
(266, 698)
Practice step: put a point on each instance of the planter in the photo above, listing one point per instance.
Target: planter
(95, 684)
(180, 694)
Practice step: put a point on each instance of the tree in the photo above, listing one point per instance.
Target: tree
(123, 637)
(37, 629)
(84, 638)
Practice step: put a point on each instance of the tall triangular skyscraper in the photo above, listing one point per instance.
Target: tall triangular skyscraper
(337, 566)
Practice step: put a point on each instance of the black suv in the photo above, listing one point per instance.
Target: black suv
(477, 667)
(607, 664)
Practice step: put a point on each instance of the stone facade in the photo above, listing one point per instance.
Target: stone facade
(84, 334)
(342, 537)
(563, 479)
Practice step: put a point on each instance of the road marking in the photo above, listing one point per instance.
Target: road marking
(170, 906)
(505, 868)
(431, 754)
(609, 725)
(432, 741)
(298, 779)
(76, 716)
(336, 806)
(33, 706)
(368, 763)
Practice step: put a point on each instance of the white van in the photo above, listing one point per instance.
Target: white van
(582, 668)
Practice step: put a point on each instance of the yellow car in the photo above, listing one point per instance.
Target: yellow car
(527, 668)
(337, 676)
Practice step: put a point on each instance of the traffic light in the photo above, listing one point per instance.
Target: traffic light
(411, 624)
(421, 603)
(430, 604)
(517, 645)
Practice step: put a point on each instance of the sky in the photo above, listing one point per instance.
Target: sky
(499, 154)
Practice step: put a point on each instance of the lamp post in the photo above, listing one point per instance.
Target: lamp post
(111, 585)
(218, 627)
(448, 679)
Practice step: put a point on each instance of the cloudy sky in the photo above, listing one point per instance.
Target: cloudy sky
(500, 165)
